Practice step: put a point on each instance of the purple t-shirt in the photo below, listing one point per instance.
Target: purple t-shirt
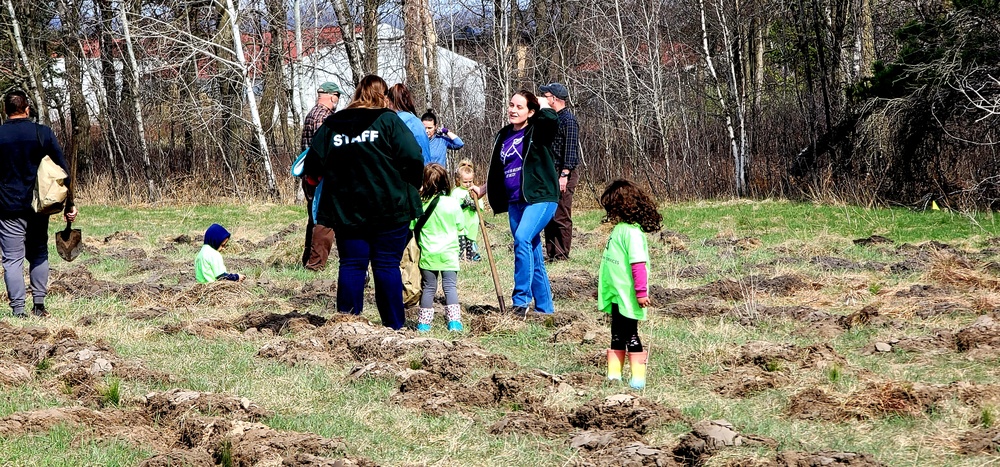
(512, 156)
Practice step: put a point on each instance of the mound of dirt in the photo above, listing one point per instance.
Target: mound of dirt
(709, 436)
(625, 448)
(435, 395)
(831, 263)
(622, 412)
(278, 323)
(983, 334)
(874, 401)
(825, 458)
(746, 381)
(278, 236)
(317, 291)
(771, 356)
(67, 363)
(873, 240)
(707, 307)
(981, 441)
(178, 403)
(574, 285)
(581, 332)
(209, 328)
(541, 421)
(191, 427)
(735, 244)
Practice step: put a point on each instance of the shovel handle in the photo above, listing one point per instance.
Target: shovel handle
(489, 251)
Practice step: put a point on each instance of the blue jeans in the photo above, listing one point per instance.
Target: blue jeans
(530, 278)
(383, 248)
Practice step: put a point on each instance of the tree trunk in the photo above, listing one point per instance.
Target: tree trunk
(433, 82)
(346, 22)
(413, 47)
(37, 96)
(258, 129)
(79, 120)
(151, 190)
(369, 35)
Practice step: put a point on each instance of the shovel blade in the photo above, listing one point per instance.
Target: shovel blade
(68, 243)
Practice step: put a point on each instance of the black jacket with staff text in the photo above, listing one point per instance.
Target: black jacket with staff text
(372, 170)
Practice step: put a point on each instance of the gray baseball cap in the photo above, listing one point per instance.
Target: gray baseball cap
(557, 89)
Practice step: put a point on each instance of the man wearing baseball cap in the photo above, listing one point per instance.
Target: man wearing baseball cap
(319, 238)
(566, 153)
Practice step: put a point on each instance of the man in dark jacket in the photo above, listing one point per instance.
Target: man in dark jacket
(566, 152)
(24, 233)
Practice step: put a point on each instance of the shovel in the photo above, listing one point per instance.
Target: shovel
(489, 252)
(68, 242)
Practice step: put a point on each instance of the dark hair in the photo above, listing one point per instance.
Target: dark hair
(532, 100)
(429, 116)
(370, 94)
(401, 99)
(435, 181)
(625, 202)
(15, 102)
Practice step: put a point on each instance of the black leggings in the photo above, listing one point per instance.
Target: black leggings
(624, 332)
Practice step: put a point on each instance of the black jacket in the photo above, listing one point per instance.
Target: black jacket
(539, 182)
(23, 144)
(372, 170)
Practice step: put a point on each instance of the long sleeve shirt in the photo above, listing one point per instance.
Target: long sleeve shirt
(566, 147)
(314, 120)
(440, 145)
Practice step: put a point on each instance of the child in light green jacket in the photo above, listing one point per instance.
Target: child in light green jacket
(437, 236)
(464, 178)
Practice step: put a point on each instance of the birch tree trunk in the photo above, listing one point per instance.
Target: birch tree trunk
(346, 22)
(151, 190)
(723, 103)
(258, 129)
(293, 68)
(36, 94)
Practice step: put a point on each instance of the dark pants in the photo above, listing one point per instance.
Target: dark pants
(319, 238)
(383, 248)
(624, 332)
(559, 232)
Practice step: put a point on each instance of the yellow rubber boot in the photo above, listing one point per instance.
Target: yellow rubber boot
(637, 365)
(616, 359)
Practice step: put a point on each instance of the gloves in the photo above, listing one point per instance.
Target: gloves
(444, 131)
(467, 203)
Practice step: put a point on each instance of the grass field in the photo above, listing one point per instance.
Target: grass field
(766, 314)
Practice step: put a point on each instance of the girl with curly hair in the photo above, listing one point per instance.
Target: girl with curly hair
(622, 280)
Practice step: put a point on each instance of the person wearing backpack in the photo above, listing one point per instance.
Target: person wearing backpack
(437, 236)
(23, 232)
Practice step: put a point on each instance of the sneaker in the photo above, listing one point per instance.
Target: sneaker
(40, 311)
(424, 327)
(455, 326)
(520, 312)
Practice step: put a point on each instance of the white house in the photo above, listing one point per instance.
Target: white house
(462, 79)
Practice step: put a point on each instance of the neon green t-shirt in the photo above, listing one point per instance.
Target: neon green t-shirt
(439, 237)
(626, 246)
(471, 226)
(208, 265)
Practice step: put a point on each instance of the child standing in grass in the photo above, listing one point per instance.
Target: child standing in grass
(437, 236)
(468, 234)
(622, 281)
(208, 265)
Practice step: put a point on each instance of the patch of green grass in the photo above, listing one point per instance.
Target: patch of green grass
(63, 446)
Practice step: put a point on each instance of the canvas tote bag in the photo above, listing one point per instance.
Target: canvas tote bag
(50, 186)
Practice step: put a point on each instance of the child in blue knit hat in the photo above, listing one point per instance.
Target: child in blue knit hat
(208, 265)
